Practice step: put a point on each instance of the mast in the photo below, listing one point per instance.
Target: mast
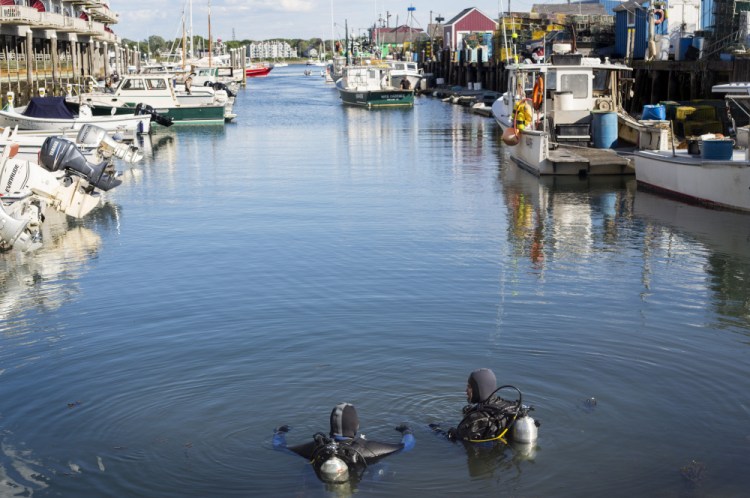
(184, 42)
(192, 52)
(333, 34)
(210, 56)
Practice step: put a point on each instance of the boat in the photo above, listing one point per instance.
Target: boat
(401, 70)
(51, 113)
(156, 93)
(257, 70)
(370, 86)
(560, 117)
(711, 171)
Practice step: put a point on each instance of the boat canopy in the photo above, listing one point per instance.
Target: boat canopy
(48, 107)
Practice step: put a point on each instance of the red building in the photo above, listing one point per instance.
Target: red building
(471, 21)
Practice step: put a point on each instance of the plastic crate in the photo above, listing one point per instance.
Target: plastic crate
(683, 112)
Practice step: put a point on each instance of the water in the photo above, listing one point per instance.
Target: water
(258, 274)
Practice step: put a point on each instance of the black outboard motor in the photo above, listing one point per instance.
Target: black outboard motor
(221, 86)
(142, 109)
(58, 153)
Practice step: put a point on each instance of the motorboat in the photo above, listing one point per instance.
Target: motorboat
(51, 113)
(156, 93)
(401, 70)
(257, 70)
(370, 86)
(560, 117)
(715, 173)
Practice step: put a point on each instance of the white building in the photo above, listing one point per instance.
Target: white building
(271, 49)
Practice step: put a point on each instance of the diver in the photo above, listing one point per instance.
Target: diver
(488, 418)
(343, 454)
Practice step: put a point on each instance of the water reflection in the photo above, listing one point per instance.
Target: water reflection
(563, 218)
(725, 235)
(46, 279)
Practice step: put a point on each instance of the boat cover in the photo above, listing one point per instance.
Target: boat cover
(48, 107)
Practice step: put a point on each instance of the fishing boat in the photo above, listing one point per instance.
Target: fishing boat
(560, 117)
(157, 92)
(715, 173)
(401, 70)
(370, 86)
(51, 113)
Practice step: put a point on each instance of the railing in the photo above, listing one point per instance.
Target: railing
(51, 20)
(17, 14)
(104, 13)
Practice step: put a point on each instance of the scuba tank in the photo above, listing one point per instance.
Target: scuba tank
(525, 429)
(334, 470)
(332, 460)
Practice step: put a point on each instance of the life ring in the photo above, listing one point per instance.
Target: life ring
(537, 97)
(661, 16)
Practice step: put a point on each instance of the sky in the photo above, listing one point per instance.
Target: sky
(269, 19)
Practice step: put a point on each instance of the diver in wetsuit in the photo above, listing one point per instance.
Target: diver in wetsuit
(343, 454)
(487, 417)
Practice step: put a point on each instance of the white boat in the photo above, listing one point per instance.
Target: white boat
(51, 113)
(718, 174)
(157, 91)
(560, 117)
(401, 70)
(94, 143)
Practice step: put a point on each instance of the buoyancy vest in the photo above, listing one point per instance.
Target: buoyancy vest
(356, 452)
(486, 421)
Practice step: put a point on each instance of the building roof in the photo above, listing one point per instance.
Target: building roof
(464, 13)
(630, 6)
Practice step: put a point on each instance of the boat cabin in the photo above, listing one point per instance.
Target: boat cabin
(566, 91)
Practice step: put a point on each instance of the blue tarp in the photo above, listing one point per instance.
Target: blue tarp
(48, 107)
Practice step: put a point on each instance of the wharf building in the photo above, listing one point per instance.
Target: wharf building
(52, 43)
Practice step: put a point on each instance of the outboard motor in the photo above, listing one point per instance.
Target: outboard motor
(221, 86)
(142, 109)
(98, 137)
(12, 230)
(58, 153)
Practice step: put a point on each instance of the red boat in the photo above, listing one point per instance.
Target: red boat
(257, 71)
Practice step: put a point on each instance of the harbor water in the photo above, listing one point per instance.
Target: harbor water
(256, 274)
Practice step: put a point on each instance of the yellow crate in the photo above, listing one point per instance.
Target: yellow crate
(682, 112)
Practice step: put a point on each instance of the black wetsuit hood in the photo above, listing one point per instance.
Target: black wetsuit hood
(483, 383)
(344, 420)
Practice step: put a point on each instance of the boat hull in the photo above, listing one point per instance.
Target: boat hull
(257, 72)
(128, 122)
(183, 115)
(724, 184)
(377, 98)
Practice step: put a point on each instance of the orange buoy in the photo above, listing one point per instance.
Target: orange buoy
(511, 136)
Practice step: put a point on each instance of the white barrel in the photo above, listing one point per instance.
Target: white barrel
(563, 101)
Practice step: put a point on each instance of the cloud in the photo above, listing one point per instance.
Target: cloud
(257, 6)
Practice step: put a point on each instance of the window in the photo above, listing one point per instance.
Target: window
(133, 84)
(576, 83)
(156, 84)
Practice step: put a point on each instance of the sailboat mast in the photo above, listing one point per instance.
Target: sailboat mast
(333, 34)
(210, 56)
(184, 41)
(191, 29)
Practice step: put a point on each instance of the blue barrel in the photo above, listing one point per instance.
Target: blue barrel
(698, 42)
(717, 150)
(604, 129)
(654, 112)
(684, 44)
